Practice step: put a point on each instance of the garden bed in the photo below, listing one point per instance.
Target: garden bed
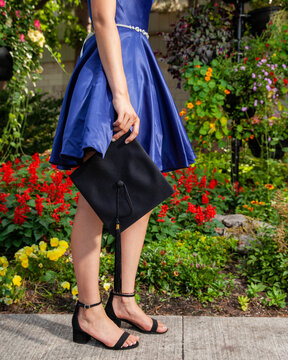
(155, 304)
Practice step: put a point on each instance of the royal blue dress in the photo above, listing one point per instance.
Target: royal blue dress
(87, 113)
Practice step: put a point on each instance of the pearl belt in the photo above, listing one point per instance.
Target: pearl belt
(136, 28)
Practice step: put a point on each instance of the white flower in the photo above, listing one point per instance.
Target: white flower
(106, 286)
(9, 22)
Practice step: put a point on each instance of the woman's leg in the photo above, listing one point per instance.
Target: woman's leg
(86, 246)
(132, 240)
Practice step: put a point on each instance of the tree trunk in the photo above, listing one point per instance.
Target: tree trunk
(82, 12)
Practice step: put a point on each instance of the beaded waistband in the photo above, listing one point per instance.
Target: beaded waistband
(136, 28)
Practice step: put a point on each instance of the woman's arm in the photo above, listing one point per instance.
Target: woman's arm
(109, 47)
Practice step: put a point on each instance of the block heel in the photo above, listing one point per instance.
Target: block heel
(80, 337)
(111, 313)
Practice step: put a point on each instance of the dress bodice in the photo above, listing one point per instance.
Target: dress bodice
(131, 12)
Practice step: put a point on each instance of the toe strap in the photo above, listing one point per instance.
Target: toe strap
(154, 325)
(121, 340)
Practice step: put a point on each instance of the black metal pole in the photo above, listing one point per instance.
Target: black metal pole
(236, 143)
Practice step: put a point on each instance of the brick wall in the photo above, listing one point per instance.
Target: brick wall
(54, 79)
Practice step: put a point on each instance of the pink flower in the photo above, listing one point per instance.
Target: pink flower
(17, 12)
(2, 3)
(22, 37)
(37, 24)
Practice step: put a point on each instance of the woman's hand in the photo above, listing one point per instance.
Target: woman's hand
(127, 117)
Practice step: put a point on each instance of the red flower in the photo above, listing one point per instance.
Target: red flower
(191, 208)
(39, 205)
(203, 182)
(212, 184)
(205, 199)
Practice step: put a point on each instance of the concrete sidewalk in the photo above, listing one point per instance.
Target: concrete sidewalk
(49, 337)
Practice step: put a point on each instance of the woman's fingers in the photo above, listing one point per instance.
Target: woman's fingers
(135, 131)
(123, 125)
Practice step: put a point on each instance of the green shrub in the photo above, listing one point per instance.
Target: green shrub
(190, 264)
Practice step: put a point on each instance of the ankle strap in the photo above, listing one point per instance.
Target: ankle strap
(123, 294)
(88, 306)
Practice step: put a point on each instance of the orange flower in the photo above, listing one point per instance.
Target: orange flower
(210, 69)
(207, 78)
(227, 91)
(184, 111)
(251, 136)
(245, 206)
(181, 113)
(186, 118)
(190, 105)
(198, 66)
(163, 252)
(269, 186)
(198, 102)
(176, 273)
(250, 208)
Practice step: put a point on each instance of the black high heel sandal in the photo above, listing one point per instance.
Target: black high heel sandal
(110, 312)
(81, 337)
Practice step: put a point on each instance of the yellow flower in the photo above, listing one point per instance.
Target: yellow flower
(198, 102)
(28, 250)
(40, 265)
(23, 257)
(190, 105)
(65, 285)
(42, 246)
(17, 280)
(212, 126)
(64, 244)
(74, 290)
(53, 254)
(203, 238)
(4, 261)
(35, 247)
(54, 242)
(106, 286)
(8, 301)
(3, 271)
(25, 263)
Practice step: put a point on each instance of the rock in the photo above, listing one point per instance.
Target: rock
(233, 220)
(244, 228)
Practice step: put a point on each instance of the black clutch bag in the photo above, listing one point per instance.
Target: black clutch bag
(121, 188)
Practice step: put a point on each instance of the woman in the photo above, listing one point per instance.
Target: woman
(117, 72)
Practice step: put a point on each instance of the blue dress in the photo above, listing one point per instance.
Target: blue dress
(87, 113)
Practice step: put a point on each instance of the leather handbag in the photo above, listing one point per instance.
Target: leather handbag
(121, 188)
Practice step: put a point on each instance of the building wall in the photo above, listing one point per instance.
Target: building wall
(54, 79)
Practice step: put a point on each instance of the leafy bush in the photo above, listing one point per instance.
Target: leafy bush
(265, 263)
(200, 34)
(190, 264)
(40, 123)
